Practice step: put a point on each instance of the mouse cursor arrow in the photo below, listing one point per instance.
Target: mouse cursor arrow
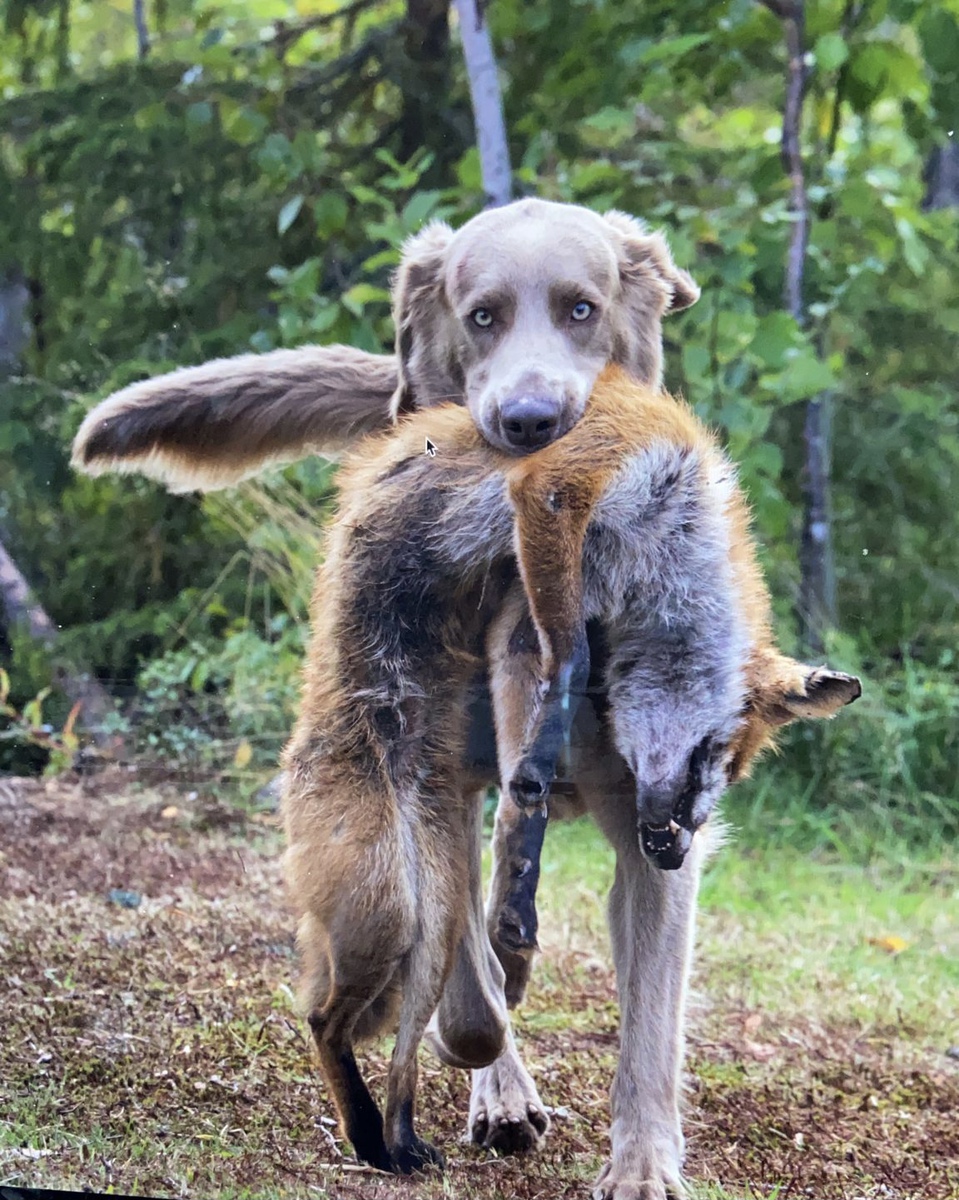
(430, 448)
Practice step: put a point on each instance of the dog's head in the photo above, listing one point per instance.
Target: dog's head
(688, 730)
(517, 313)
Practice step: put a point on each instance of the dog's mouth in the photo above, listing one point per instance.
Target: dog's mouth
(524, 421)
(666, 846)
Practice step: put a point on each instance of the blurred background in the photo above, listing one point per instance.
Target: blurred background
(183, 179)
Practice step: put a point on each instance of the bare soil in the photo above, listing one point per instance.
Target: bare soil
(155, 1050)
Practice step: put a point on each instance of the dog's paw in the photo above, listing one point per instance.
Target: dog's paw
(647, 1177)
(416, 1158)
(506, 1114)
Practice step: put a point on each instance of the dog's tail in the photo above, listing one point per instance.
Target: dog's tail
(207, 427)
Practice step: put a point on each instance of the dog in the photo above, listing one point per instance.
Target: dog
(514, 315)
(621, 551)
(210, 426)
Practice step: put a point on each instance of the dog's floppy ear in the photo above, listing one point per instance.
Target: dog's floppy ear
(820, 693)
(427, 364)
(652, 285)
(645, 256)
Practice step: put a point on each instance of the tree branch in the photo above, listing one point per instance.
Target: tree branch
(285, 33)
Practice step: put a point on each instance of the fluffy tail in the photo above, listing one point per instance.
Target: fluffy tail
(207, 427)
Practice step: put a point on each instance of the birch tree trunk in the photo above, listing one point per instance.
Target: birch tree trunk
(487, 103)
(817, 585)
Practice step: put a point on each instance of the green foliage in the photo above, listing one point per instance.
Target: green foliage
(27, 739)
(245, 187)
(220, 703)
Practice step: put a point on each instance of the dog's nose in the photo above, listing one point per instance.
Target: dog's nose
(530, 421)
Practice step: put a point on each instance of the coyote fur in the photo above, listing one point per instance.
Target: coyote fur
(611, 582)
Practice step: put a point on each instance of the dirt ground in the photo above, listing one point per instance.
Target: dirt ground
(151, 1046)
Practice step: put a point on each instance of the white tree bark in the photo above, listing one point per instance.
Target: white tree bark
(487, 102)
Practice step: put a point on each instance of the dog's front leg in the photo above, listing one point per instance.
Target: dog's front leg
(651, 919)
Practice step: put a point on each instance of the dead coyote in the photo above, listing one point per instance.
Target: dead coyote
(610, 580)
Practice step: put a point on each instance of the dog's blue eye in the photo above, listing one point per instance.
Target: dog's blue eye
(582, 311)
(482, 317)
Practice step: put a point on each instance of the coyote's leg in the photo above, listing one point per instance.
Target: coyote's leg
(512, 922)
(443, 852)
(506, 1113)
(423, 985)
(513, 650)
(359, 1114)
(471, 1021)
(334, 1010)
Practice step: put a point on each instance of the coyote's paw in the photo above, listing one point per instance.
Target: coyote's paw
(506, 1114)
(416, 1157)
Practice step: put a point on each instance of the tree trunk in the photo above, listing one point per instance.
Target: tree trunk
(817, 588)
(23, 610)
(143, 33)
(942, 177)
(14, 298)
(487, 102)
(426, 87)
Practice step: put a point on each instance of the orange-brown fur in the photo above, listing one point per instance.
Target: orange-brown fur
(382, 829)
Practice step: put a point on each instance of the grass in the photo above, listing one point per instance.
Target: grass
(155, 1049)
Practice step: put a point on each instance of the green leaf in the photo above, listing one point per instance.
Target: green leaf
(199, 115)
(830, 51)
(468, 172)
(696, 361)
(13, 434)
(803, 377)
(648, 51)
(766, 458)
(241, 124)
(776, 334)
(362, 294)
(288, 214)
(330, 212)
(913, 249)
(419, 208)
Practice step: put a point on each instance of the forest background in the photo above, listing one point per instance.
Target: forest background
(204, 177)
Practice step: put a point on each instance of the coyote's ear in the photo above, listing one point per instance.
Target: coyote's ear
(786, 691)
(422, 319)
(821, 693)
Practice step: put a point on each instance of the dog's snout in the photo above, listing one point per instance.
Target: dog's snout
(530, 421)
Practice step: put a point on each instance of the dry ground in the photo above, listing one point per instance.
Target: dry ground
(154, 1049)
